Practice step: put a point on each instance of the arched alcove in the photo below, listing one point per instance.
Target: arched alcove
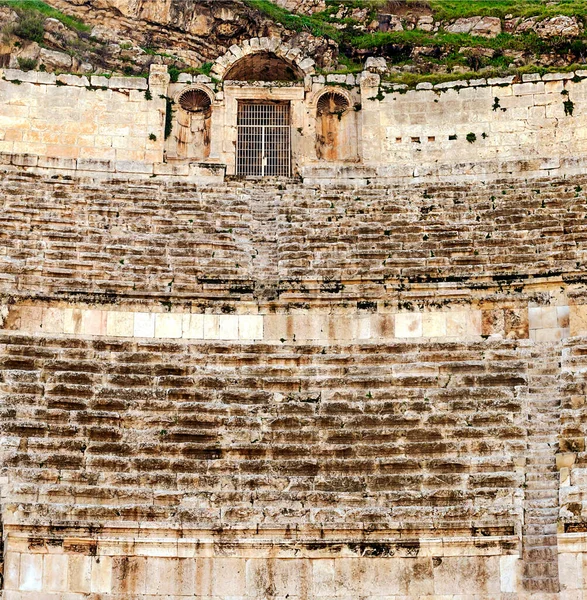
(334, 127)
(263, 66)
(193, 123)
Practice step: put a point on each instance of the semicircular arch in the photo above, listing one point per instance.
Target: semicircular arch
(195, 98)
(263, 59)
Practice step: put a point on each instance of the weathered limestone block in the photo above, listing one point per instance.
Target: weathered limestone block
(54, 59)
(31, 573)
(55, 568)
(144, 325)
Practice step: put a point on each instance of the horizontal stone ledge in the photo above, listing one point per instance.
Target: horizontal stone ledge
(226, 572)
(539, 324)
(279, 542)
(74, 80)
(91, 322)
(202, 173)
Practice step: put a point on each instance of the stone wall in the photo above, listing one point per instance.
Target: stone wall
(386, 244)
(533, 126)
(345, 460)
(368, 388)
(476, 128)
(78, 123)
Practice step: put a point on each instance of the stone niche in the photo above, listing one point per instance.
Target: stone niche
(336, 127)
(190, 138)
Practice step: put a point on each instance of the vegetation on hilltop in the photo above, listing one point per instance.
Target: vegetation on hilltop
(445, 10)
(356, 27)
(34, 9)
(419, 38)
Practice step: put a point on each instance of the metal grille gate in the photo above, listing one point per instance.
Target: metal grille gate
(264, 140)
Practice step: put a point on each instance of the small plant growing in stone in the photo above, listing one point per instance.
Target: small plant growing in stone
(174, 74)
(569, 107)
(26, 64)
(168, 116)
(148, 95)
(152, 137)
(496, 104)
(31, 27)
(471, 138)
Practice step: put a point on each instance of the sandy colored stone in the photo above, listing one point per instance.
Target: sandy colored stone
(250, 327)
(228, 327)
(53, 320)
(31, 572)
(55, 567)
(211, 327)
(408, 325)
(94, 322)
(193, 326)
(119, 324)
(144, 325)
(434, 324)
(80, 574)
(101, 577)
(12, 571)
(168, 325)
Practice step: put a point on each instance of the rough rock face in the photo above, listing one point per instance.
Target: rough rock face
(208, 18)
(483, 26)
(197, 31)
(559, 26)
(303, 6)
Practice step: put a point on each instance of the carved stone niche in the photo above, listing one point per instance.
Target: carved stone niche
(335, 127)
(192, 131)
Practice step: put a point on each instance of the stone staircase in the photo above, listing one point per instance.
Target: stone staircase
(416, 437)
(277, 439)
(539, 533)
(243, 239)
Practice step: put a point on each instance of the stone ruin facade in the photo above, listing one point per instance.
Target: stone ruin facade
(269, 334)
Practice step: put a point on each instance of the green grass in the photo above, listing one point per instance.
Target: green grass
(350, 38)
(454, 41)
(413, 79)
(315, 25)
(454, 9)
(36, 6)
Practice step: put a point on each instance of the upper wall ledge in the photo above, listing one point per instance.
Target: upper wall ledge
(366, 78)
(511, 79)
(94, 81)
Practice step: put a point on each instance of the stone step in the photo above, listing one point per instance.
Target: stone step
(533, 528)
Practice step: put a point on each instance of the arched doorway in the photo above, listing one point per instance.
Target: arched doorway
(264, 82)
(263, 126)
